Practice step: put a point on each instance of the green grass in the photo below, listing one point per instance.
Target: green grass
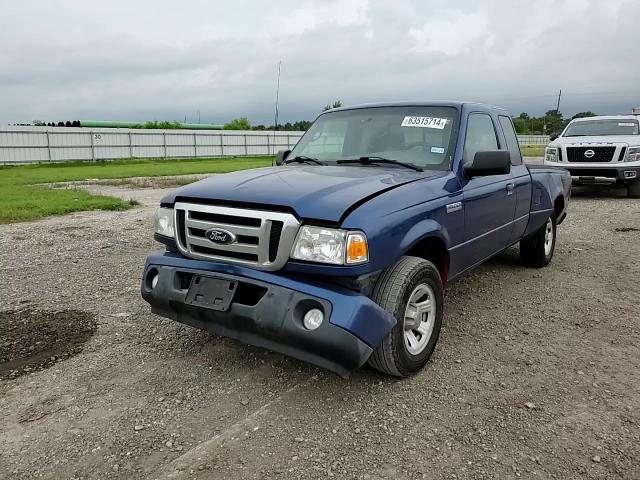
(532, 150)
(22, 198)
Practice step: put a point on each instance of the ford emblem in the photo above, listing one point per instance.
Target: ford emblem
(220, 236)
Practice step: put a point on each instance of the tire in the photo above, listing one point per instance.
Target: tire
(417, 280)
(537, 250)
(633, 190)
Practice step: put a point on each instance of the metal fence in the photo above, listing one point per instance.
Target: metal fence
(51, 144)
(57, 144)
(533, 139)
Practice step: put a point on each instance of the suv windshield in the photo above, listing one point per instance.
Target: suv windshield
(421, 136)
(602, 127)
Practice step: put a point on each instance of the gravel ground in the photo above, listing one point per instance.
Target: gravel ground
(536, 374)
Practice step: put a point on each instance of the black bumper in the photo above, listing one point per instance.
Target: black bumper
(261, 314)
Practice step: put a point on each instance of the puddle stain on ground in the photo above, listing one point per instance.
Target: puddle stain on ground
(32, 340)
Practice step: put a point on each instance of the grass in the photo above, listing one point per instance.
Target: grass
(25, 196)
(532, 150)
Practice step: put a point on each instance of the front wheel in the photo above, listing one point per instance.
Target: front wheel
(412, 291)
(537, 249)
(633, 190)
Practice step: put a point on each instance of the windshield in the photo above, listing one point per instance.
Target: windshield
(602, 127)
(421, 136)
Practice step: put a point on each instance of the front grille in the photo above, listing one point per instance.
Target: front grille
(261, 239)
(600, 154)
(623, 151)
(274, 240)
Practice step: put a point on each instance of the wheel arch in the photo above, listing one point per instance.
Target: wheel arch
(432, 247)
(559, 206)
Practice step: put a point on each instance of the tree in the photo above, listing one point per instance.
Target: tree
(165, 125)
(583, 115)
(522, 124)
(301, 126)
(241, 123)
(336, 104)
(554, 121)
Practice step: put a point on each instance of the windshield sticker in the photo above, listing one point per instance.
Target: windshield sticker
(425, 122)
(626, 124)
(437, 150)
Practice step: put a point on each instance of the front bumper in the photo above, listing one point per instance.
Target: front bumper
(267, 311)
(618, 171)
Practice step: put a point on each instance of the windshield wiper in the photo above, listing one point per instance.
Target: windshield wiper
(303, 159)
(372, 160)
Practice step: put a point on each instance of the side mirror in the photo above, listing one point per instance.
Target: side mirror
(281, 156)
(553, 136)
(489, 162)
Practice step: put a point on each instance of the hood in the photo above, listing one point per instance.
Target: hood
(313, 192)
(596, 140)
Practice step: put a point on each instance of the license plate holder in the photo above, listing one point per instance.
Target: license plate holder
(211, 292)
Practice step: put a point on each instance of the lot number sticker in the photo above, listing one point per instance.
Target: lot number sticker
(424, 122)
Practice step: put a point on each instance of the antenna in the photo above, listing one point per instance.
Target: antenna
(275, 126)
(558, 106)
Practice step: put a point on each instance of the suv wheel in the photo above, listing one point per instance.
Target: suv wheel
(633, 190)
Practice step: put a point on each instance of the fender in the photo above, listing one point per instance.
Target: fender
(545, 190)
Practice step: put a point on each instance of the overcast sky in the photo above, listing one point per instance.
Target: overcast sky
(157, 59)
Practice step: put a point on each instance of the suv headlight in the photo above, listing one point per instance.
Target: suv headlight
(330, 245)
(633, 154)
(164, 224)
(551, 154)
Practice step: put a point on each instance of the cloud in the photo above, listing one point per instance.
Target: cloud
(167, 60)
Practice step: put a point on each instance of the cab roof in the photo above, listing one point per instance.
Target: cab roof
(455, 104)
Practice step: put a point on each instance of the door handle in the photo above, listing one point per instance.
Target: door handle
(510, 187)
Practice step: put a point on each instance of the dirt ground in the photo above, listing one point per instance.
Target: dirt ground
(536, 375)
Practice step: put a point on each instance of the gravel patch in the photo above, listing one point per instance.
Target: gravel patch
(536, 375)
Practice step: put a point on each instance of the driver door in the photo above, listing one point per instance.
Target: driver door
(489, 201)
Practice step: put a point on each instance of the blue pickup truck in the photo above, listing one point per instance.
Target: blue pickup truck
(341, 252)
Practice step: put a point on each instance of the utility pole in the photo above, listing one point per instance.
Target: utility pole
(275, 126)
(277, 94)
(558, 106)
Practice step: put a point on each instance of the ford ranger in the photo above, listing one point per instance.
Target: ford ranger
(603, 148)
(340, 253)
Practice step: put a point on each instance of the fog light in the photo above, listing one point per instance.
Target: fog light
(154, 281)
(313, 319)
(630, 174)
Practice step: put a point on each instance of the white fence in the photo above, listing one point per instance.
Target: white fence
(533, 139)
(58, 144)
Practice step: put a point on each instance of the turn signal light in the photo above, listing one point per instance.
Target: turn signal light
(357, 250)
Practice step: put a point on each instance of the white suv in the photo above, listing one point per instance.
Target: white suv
(600, 148)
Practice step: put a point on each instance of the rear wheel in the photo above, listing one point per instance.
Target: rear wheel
(537, 249)
(633, 190)
(412, 291)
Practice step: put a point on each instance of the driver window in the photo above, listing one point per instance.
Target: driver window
(481, 135)
(328, 142)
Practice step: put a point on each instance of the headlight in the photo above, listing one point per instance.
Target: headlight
(633, 155)
(551, 154)
(330, 245)
(164, 222)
